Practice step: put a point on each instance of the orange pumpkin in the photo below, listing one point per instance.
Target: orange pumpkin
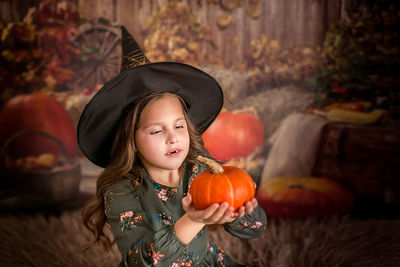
(36, 112)
(228, 184)
(298, 197)
(234, 135)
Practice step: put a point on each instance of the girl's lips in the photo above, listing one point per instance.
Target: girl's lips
(173, 152)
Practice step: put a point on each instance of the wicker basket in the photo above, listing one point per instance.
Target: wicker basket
(56, 185)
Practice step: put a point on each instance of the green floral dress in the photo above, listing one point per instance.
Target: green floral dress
(142, 215)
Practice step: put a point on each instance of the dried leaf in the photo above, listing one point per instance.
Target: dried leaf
(192, 46)
(224, 20)
(254, 8)
(180, 54)
(230, 5)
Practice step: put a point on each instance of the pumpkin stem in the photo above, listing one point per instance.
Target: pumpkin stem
(214, 166)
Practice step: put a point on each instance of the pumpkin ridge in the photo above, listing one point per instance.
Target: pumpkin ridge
(209, 190)
(193, 186)
(205, 199)
(248, 184)
(232, 192)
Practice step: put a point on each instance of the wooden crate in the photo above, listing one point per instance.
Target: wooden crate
(365, 158)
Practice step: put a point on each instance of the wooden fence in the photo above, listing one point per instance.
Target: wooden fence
(290, 22)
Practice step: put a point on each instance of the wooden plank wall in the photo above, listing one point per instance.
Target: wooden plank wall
(290, 22)
(12, 11)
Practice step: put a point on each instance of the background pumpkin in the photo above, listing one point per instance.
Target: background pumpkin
(227, 184)
(233, 135)
(37, 112)
(298, 197)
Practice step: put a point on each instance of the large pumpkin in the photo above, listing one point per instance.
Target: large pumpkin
(36, 112)
(298, 197)
(234, 135)
(226, 184)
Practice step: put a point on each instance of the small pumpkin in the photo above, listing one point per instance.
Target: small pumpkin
(221, 184)
(36, 112)
(234, 135)
(299, 197)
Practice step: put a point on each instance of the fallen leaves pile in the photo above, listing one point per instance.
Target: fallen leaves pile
(272, 66)
(176, 34)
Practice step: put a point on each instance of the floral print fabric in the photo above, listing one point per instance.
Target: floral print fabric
(130, 219)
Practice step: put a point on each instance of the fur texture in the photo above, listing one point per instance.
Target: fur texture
(58, 241)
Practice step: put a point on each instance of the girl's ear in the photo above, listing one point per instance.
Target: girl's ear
(132, 143)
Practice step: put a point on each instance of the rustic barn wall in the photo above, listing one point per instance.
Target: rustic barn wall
(290, 22)
(11, 11)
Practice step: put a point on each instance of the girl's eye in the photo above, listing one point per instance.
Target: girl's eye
(179, 127)
(156, 132)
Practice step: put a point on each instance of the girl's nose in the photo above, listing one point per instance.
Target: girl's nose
(172, 139)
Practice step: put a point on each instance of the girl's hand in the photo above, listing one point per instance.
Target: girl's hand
(214, 214)
(247, 208)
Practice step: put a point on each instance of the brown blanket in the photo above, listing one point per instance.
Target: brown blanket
(57, 241)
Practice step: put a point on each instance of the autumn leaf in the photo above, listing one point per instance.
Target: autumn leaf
(224, 20)
(254, 8)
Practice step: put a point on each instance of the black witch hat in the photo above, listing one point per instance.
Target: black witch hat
(132, 55)
(139, 77)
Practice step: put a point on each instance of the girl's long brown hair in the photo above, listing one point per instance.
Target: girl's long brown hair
(123, 159)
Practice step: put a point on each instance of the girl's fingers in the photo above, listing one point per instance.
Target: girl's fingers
(228, 216)
(241, 212)
(249, 207)
(201, 215)
(208, 212)
(186, 201)
(215, 213)
(218, 214)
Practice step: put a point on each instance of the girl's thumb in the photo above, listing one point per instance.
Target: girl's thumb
(187, 200)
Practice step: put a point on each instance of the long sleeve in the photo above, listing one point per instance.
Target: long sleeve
(250, 226)
(139, 242)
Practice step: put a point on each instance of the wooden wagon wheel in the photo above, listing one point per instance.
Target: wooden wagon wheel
(101, 48)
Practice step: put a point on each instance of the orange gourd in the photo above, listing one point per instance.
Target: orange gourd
(221, 184)
(233, 135)
(299, 197)
(36, 112)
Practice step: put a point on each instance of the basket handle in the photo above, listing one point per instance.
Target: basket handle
(25, 132)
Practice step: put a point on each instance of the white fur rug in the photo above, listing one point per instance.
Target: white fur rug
(57, 241)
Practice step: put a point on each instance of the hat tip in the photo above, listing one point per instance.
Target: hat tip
(132, 54)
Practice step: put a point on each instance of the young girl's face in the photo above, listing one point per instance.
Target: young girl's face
(162, 138)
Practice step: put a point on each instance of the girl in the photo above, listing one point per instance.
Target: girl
(145, 127)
